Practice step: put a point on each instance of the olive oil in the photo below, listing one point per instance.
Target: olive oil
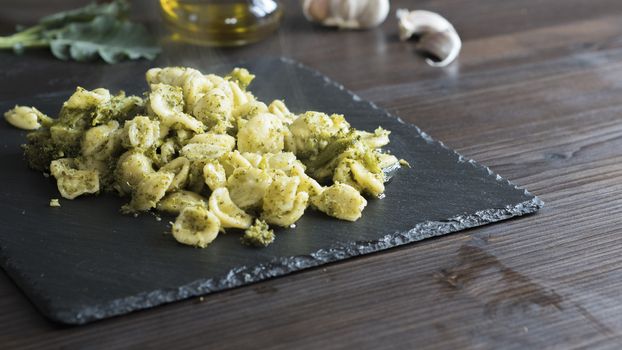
(221, 22)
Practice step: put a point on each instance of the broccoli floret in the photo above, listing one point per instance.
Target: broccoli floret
(105, 170)
(40, 150)
(258, 235)
(74, 118)
(312, 131)
(47, 144)
(66, 138)
(323, 166)
(331, 151)
(120, 108)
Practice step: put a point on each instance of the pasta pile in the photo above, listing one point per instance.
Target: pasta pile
(202, 147)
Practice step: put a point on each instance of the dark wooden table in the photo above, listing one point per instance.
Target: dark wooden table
(536, 95)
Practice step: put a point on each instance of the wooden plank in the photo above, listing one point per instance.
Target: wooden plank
(536, 95)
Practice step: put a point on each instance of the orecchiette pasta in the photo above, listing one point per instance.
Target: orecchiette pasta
(196, 178)
(100, 166)
(167, 152)
(150, 190)
(214, 174)
(307, 183)
(284, 161)
(216, 148)
(166, 102)
(247, 186)
(169, 75)
(204, 148)
(386, 161)
(214, 109)
(240, 97)
(196, 226)
(175, 202)
(233, 160)
(193, 83)
(263, 133)
(221, 84)
(141, 133)
(255, 159)
(194, 86)
(101, 142)
(26, 118)
(72, 182)
(180, 167)
(341, 201)
(132, 168)
(278, 108)
(283, 205)
(229, 214)
(208, 145)
(353, 173)
(85, 99)
(379, 138)
(242, 113)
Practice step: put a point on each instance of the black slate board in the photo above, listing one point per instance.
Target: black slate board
(85, 261)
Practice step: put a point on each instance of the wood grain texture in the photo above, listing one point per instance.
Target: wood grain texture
(536, 95)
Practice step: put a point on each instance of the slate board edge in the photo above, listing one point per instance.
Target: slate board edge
(283, 266)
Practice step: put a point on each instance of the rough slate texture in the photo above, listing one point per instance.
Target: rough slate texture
(85, 261)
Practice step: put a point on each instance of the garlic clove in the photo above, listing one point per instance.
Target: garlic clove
(346, 14)
(315, 10)
(437, 37)
(420, 22)
(444, 47)
(374, 14)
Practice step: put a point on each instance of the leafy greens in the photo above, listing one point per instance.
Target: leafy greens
(83, 34)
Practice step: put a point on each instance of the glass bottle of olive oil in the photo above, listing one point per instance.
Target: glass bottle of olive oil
(221, 22)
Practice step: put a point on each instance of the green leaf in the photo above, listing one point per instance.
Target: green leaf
(112, 39)
(117, 8)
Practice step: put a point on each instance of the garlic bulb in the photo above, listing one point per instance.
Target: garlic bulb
(346, 14)
(437, 36)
